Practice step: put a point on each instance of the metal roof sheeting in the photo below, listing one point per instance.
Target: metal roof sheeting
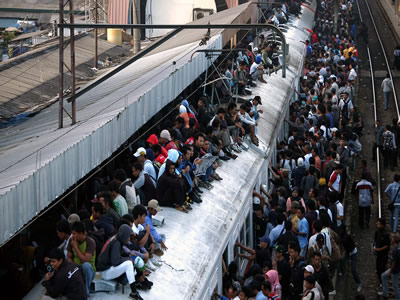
(118, 11)
(110, 114)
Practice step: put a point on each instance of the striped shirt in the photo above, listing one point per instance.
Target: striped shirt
(365, 189)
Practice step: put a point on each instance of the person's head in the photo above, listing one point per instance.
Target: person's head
(56, 258)
(320, 240)
(279, 252)
(114, 188)
(339, 169)
(199, 140)
(106, 199)
(395, 239)
(140, 155)
(156, 149)
(186, 152)
(179, 122)
(256, 100)
(153, 207)
(264, 242)
(295, 192)
(136, 169)
(380, 223)
(119, 176)
(245, 293)
(139, 213)
(316, 259)
(396, 177)
(63, 229)
(300, 212)
(266, 288)
(97, 210)
(78, 230)
(308, 270)
(165, 137)
(201, 102)
(309, 282)
(258, 211)
(294, 249)
(170, 168)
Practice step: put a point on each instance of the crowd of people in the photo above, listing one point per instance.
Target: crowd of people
(302, 241)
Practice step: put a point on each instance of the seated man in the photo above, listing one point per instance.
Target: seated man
(112, 265)
(248, 124)
(65, 280)
(241, 78)
(82, 251)
(152, 209)
(102, 220)
(257, 69)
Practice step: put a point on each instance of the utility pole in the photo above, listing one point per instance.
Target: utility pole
(136, 20)
(96, 5)
(61, 63)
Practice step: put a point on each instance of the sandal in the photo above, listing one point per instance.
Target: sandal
(181, 209)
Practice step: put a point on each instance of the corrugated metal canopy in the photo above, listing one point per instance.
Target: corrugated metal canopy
(38, 163)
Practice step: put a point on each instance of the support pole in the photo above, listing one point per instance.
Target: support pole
(61, 65)
(136, 31)
(96, 5)
(72, 51)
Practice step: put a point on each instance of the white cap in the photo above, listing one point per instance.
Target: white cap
(140, 151)
(255, 49)
(309, 268)
(300, 162)
(165, 134)
(256, 200)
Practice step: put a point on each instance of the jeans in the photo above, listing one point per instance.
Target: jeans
(205, 177)
(303, 252)
(381, 261)
(395, 282)
(386, 97)
(394, 214)
(353, 262)
(125, 268)
(88, 275)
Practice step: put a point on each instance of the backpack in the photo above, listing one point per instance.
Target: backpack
(345, 109)
(387, 141)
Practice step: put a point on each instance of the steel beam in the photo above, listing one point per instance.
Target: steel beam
(177, 28)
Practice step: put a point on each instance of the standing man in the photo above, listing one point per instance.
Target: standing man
(386, 89)
(302, 231)
(82, 251)
(388, 148)
(393, 271)
(393, 191)
(379, 130)
(365, 200)
(381, 247)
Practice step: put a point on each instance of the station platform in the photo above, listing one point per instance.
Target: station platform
(392, 14)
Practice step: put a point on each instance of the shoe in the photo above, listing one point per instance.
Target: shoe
(141, 286)
(155, 262)
(224, 157)
(382, 294)
(198, 190)
(181, 209)
(195, 198)
(209, 186)
(332, 292)
(147, 282)
(150, 266)
(158, 252)
(135, 296)
(359, 288)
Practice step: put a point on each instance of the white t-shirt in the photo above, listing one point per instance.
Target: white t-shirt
(352, 74)
(137, 229)
(253, 68)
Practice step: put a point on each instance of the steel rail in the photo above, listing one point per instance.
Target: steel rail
(378, 170)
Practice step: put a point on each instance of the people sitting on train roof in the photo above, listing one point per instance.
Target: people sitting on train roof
(64, 279)
(82, 251)
(105, 198)
(111, 264)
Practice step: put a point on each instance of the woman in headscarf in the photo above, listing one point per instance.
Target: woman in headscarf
(187, 113)
(273, 277)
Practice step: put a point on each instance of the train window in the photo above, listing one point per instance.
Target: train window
(236, 251)
(225, 256)
(248, 231)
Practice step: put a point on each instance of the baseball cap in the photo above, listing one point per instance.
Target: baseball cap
(309, 268)
(255, 49)
(165, 134)
(154, 204)
(265, 239)
(73, 218)
(140, 151)
(256, 200)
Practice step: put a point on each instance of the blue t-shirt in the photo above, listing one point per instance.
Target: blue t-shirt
(392, 191)
(260, 296)
(302, 226)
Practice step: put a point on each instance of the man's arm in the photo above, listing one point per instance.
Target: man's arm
(82, 257)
